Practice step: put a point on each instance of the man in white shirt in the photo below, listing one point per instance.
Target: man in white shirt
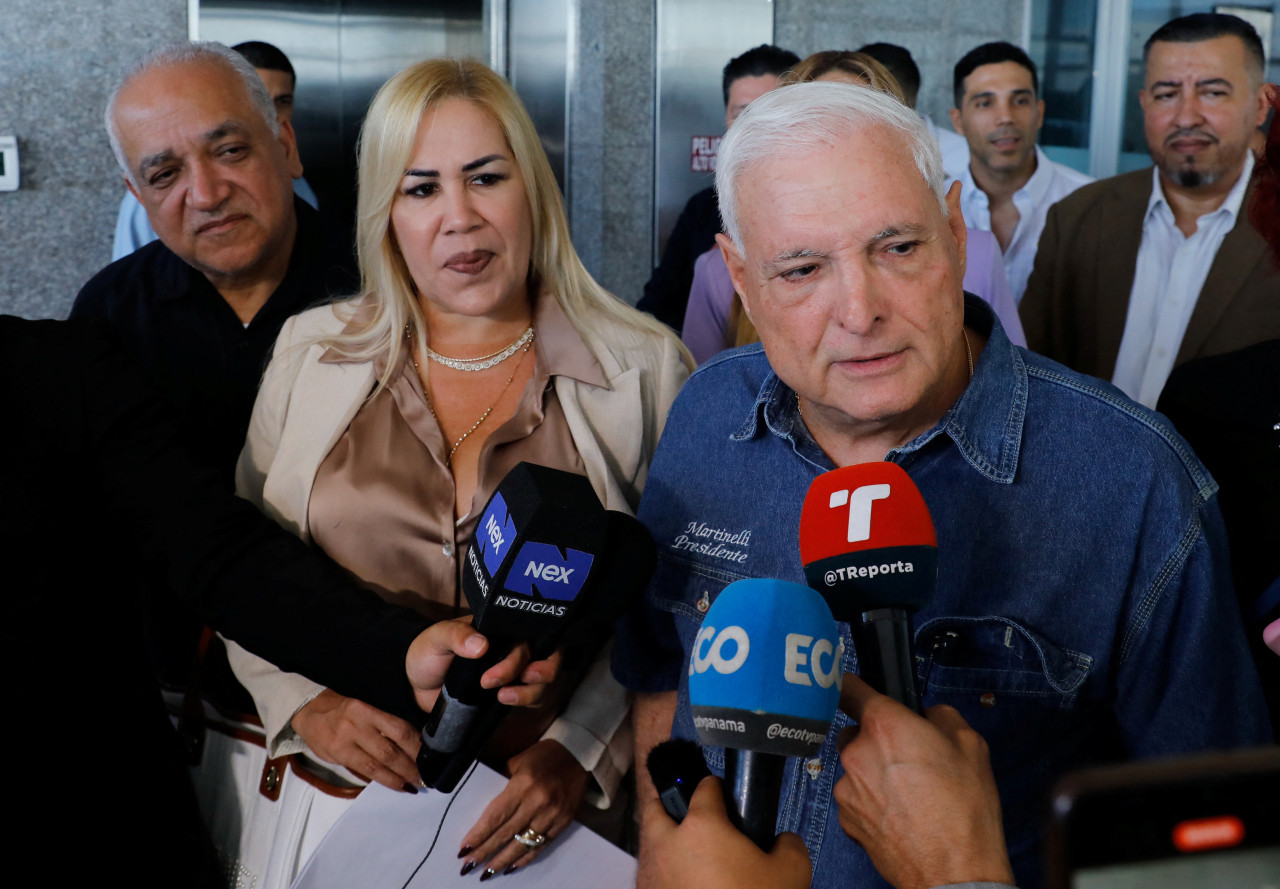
(1143, 271)
(1009, 183)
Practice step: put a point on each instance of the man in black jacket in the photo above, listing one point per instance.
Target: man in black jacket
(91, 761)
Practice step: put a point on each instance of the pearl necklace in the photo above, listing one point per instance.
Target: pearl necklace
(527, 337)
(484, 362)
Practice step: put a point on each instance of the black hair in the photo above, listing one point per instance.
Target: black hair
(1206, 26)
(992, 54)
(900, 64)
(764, 59)
(267, 57)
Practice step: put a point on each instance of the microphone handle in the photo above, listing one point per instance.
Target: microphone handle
(462, 702)
(882, 639)
(752, 788)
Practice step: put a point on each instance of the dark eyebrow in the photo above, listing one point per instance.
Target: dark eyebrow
(1215, 81)
(477, 164)
(466, 168)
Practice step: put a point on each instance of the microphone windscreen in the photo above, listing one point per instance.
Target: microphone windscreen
(867, 540)
(764, 674)
(536, 544)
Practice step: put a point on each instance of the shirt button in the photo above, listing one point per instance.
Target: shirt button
(988, 700)
(813, 767)
(704, 603)
(447, 549)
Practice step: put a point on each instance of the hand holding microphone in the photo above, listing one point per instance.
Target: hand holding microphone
(543, 551)
(764, 679)
(918, 794)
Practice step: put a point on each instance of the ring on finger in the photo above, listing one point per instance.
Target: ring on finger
(530, 838)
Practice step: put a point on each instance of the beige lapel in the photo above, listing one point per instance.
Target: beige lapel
(310, 434)
(600, 423)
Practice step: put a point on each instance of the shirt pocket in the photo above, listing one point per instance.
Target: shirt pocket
(1020, 691)
(685, 591)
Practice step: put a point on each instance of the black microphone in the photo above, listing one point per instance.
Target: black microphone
(528, 559)
(764, 683)
(546, 563)
(676, 766)
(868, 546)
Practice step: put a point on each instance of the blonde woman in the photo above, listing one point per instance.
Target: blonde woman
(384, 423)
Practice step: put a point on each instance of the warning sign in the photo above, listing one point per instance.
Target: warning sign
(702, 154)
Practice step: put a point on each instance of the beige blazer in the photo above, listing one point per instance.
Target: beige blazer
(304, 406)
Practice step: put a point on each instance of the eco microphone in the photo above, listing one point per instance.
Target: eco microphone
(764, 682)
(531, 555)
(868, 546)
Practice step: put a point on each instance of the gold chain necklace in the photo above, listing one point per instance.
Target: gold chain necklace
(426, 391)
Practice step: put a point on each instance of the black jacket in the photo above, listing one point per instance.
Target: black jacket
(95, 494)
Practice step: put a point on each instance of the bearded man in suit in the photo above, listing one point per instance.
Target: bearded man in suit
(1140, 272)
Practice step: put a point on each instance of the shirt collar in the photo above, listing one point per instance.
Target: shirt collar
(1232, 203)
(1035, 188)
(985, 423)
(567, 354)
(1038, 185)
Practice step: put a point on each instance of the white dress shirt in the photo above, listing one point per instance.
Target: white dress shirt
(1167, 280)
(1050, 183)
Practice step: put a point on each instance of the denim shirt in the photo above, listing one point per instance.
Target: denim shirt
(1083, 609)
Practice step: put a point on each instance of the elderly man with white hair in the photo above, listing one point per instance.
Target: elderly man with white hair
(1083, 608)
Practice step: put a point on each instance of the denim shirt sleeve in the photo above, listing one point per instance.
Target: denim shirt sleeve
(1174, 698)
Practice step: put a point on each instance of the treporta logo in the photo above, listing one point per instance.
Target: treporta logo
(859, 501)
(496, 533)
(555, 575)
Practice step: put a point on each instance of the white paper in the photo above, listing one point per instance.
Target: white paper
(390, 840)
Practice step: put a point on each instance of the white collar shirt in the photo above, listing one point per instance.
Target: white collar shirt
(1050, 183)
(1167, 279)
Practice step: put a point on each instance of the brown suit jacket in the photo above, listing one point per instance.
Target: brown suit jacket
(1078, 295)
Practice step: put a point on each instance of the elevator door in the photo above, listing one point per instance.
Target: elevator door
(342, 51)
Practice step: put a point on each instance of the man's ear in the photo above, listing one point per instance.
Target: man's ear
(133, 189)
(289, 141)
(1264, 104)
(955, 221)
(736, 265)
(955, 121)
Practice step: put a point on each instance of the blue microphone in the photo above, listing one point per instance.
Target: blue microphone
(764, 683)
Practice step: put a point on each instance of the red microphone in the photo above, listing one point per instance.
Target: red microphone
(868, 546)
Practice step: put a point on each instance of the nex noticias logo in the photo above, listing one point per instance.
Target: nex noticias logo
(859, 501)
(496, 532)
(541, 566)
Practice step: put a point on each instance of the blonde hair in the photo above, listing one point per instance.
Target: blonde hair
(859, 64)
(386, 143)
